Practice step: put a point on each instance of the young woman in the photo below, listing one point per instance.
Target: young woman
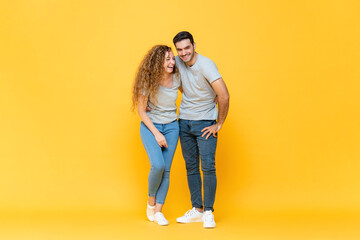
(156, 85)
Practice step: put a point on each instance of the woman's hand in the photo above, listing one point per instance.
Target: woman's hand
(161, 140)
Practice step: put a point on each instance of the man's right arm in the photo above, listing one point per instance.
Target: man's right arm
(223, 97)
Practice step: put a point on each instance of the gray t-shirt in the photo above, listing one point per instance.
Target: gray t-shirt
(165, 109)
(198, 96)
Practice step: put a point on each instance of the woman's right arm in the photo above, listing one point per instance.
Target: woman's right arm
(141, 108)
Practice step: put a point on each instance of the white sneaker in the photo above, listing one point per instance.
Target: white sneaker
(160, 219)
(192, 215)
(150, 212)
(208, 219)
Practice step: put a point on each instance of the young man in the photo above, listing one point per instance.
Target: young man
(201, 83)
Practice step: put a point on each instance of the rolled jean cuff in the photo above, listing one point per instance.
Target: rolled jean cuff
(201, 207)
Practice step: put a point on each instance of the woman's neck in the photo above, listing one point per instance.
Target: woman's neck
(166, 80)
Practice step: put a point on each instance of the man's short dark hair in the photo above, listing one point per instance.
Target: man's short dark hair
(183, 35)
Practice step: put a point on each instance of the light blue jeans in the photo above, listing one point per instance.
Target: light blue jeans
(160, 157)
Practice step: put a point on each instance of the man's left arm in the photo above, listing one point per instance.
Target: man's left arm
(223, 97)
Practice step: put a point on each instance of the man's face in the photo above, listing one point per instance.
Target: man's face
(185, 50)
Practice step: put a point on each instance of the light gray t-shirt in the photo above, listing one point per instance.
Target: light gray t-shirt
(165, 109)
(198, 96)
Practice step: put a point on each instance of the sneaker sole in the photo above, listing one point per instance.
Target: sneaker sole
(210, 226)
(161, 224)
(197, 220)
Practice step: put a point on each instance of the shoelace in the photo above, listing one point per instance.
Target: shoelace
(208, 217)
(161, 216)
(190, 212)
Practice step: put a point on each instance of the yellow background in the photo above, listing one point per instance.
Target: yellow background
(70, 144)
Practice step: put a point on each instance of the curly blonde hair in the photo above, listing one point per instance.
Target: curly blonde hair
(149, 74)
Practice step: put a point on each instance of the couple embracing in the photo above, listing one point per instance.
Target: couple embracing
(202, 112)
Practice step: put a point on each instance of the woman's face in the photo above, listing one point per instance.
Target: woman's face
(169, 62)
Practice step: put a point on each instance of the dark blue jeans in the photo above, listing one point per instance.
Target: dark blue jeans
(194, 147)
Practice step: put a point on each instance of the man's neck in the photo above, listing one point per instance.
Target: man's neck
(193, 61)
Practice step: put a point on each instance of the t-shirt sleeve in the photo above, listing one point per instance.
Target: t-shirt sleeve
(210, 71)
(177, 80)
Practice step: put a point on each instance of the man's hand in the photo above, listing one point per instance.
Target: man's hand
(148, 109)
(213, 129)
